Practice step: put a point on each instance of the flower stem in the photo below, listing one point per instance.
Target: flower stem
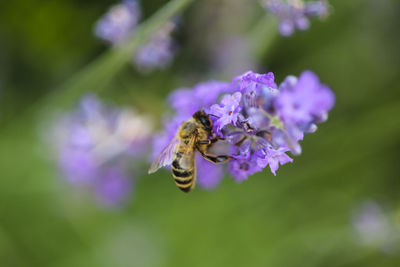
(98, 74)
(263, 36)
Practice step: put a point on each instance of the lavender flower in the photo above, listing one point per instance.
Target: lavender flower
(121, 19)
(158, 52)
(245, 163)
(304, 101)
(96, 145)
(257, 121)
(253, 84)
(228, 111)
(202, 96)
(209, 175)
(113, 187)
(295, 14)
(373, 227)
(272, 157)
(301, 103)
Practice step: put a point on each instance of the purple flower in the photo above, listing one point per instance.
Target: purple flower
(272, 157)
(255, 88)
(304, 101)
(252, 83)
(255, 82)
(288, 137)
(227, 112)
(182, 100)
(207, 93)
(113, 187)
(121, 21)
(208, 175)
(257, 123)
(95, 139)
(188, 101)
(158, 52)
(241, 169)
(316, 9)
(245, 163)
(78, 166)
(295, 14)
(116, 25)
(373, 227)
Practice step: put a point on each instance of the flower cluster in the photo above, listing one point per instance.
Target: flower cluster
(257, 121)
(375, 227)
(295, 14)
(116, 25)
(121, 21)
(159, 52)
(96, 146)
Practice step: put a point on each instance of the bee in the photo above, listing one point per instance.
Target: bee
(193, 135)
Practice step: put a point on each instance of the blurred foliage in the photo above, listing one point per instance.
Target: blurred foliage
(299, 218)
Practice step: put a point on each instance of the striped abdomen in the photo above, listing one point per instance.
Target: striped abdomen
(183, 169)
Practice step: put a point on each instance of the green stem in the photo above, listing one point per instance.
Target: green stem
(98, 74)
(263, 36)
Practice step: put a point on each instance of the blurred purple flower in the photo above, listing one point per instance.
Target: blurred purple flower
(183, 101)
(113, 187)
(202, 96)
(95, 139)
(207, 93)
(78, 165)
(304, 101)
(209, 175)
(316, 9)
(158, 52)
(295, 14)
(301, 104)
(373, 227)
(119, 22)
(255, 118)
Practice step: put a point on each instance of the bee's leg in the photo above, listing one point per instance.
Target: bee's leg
(209, 141)
(204, 142)
(216, 159)
(215, 139)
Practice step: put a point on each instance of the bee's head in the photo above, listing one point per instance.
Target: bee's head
(204, 119)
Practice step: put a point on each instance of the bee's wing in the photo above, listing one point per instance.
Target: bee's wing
(191, 145)
(165, 156)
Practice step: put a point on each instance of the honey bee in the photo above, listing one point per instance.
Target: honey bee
(193, 135)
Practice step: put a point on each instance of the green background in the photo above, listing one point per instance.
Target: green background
(302, 217)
